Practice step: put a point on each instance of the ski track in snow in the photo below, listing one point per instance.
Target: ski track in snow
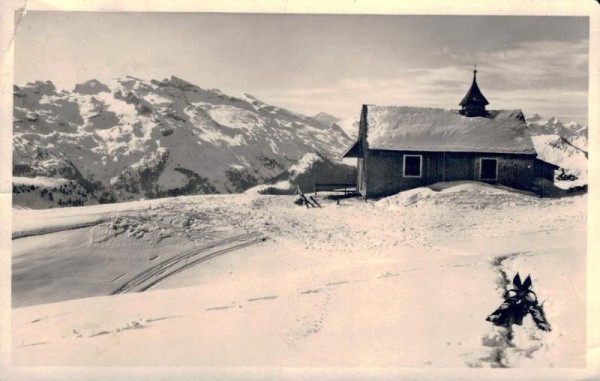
(56, 229)
(159, 273)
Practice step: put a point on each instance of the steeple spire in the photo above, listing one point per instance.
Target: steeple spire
(473, 104)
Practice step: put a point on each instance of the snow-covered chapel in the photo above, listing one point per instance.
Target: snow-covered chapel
(400, 148)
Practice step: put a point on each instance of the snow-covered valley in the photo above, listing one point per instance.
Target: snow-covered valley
(405, 281)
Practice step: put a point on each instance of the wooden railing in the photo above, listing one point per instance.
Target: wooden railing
(335, 187)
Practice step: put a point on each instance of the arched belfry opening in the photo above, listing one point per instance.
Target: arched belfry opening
(473, 104)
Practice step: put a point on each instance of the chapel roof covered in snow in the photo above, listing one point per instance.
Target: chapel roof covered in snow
(433, 129)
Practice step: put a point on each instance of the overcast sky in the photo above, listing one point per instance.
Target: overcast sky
(312, 63)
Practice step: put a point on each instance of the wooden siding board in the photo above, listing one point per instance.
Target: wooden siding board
(457, 167)
(515, 172)
(384, 170)
(360, 177)
(385, 173)
(544, 170)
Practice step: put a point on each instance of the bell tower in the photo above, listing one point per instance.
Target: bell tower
(473, 104)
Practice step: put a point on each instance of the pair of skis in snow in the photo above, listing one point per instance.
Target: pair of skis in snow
(519, 301)
(305, 200)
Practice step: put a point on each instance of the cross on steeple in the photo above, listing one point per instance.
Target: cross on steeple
(473, 104)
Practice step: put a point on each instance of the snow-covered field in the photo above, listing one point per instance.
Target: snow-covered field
(406, 281)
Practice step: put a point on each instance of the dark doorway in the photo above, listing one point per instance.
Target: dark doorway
(489, 169)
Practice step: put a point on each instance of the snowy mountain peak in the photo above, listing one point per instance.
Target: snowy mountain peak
(572, 124)
(553, 126)
(39, 87)
(251, 98)
(179, 83)
(534, 118)
(326, 118)
(131, 77)
(91, 87)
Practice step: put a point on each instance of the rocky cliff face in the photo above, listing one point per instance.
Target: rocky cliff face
(133, 138)
(563, 144)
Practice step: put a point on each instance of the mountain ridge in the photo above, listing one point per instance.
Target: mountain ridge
(134, 138)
